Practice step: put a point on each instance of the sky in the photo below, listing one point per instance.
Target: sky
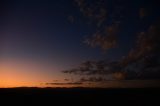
(41, 38)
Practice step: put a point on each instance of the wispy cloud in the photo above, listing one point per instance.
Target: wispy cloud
(74, 83)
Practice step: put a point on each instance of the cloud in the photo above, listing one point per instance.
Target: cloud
(105, 39)
(95, 68)
(142, 13)
(67, 79)
(92, 79)
(147, 44)
(74, 83)
(55, 80)
(94, 11)
(119, 75)
(144, 58)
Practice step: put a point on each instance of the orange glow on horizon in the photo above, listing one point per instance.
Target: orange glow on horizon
(24, 73)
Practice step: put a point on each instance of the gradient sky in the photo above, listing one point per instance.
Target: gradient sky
(38, 40)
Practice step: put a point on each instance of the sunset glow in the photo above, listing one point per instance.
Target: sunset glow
(18, 73)
(79, 43)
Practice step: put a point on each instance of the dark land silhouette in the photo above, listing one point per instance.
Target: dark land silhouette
(80, 96)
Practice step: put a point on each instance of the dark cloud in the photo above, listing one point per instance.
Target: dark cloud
(119, 75)
(96, 68)
(67, 79)
(55, 80)
(92, 79)
(74, 83)
(147, 45)
(142, 13)
(144, 59)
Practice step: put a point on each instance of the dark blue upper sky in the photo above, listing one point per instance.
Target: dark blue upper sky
(42, 27)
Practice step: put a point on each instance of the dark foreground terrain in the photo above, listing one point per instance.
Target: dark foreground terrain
(80, 97)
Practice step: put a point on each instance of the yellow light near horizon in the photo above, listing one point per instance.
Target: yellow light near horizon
(13, 78)
(14, 83)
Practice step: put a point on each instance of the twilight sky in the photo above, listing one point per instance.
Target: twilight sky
(40, 38)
